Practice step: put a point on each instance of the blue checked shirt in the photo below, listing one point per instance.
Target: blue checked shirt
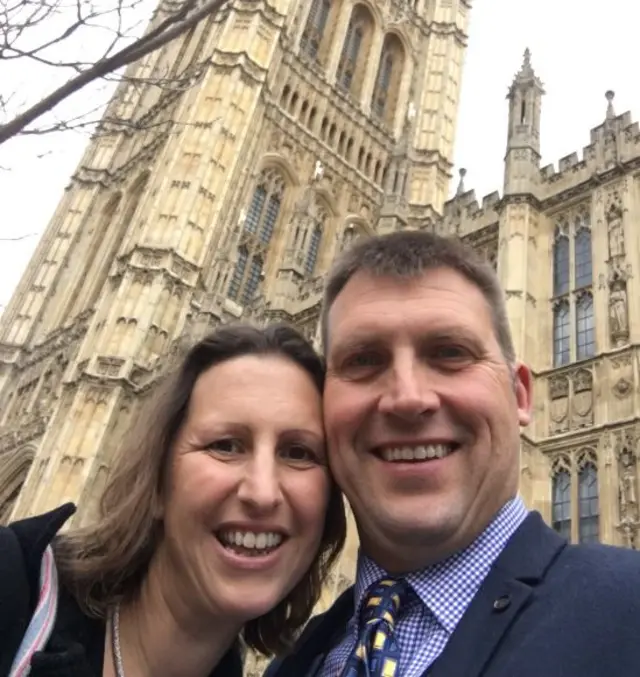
(443, 592)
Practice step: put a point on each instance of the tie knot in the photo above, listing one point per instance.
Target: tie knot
(384, 600)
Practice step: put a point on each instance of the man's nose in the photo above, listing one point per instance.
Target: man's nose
(409, 392)
(260, 488)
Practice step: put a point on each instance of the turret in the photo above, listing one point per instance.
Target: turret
(522, 161)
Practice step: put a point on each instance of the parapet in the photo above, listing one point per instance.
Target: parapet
(613, 143)
(463, 214)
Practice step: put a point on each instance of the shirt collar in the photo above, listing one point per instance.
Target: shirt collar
(448, 587)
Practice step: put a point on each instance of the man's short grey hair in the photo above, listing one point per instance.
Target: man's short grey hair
(408, 254)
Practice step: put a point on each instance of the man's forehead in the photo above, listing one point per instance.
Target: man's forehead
(354, 317)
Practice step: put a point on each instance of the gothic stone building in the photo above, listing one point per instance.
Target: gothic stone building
(294, 128)
(283, 129)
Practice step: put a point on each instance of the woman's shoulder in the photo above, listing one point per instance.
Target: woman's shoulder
(22, 545)
(35, 533)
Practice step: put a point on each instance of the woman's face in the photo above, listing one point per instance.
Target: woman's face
(248, 490)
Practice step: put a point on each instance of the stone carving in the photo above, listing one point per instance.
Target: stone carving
(349, 235)
(628, 487)
(258, 309)
(582, 400)
(622, 388)
(622, 368)
(610, 150)
(526, 450)
(318, 171)
(616, 236)
(558, 405)
(571, 401)
(618, 308)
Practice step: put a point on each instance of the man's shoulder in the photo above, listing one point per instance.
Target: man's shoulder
(599, 571)
(607, 560)
(318, 636)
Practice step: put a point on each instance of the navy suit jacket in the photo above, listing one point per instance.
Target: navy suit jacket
(546, 609)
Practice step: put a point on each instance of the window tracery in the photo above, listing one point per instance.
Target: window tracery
(353, 58)
(575, 511)
(572, 279)
(315, 27)
(388, 79)
(258, 229)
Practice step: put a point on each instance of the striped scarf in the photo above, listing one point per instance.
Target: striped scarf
(43, 619)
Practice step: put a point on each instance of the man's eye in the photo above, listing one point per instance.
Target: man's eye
(451, 353)
(362, 360)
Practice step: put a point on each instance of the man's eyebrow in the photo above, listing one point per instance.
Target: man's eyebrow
(365, 339)
(353, 343)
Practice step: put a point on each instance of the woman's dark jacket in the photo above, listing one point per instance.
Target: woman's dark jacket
(76, 646)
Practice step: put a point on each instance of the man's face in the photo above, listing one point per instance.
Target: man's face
(422, 414)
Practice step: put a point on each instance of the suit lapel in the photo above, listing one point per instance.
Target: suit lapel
(504, 594)
(318, 639)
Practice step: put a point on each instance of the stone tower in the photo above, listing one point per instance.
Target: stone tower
(230, 200)
(568, 257)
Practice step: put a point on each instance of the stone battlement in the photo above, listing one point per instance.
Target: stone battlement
(464, 214)
(614, 142)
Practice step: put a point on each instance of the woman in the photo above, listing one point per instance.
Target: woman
(219, 522)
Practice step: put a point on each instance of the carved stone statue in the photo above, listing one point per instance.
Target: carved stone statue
(618, 313)
(628, 491)
(348, 236)
(616, 235)
(318, 171)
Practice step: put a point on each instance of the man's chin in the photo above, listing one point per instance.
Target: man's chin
(408, 542)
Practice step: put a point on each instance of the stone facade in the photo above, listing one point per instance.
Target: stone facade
(305, 126)
(282, 130)
(568, 257)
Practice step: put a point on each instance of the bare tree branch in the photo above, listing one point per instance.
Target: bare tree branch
(17, 239)
(19, 17)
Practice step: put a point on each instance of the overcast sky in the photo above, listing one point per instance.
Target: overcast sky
(578, 50)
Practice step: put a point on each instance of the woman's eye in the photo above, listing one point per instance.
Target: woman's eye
(299, 453)
(226, 446)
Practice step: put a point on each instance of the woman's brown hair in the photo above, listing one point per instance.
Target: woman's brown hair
(107, 562)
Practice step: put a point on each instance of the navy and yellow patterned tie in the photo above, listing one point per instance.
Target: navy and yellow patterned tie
(377, 653)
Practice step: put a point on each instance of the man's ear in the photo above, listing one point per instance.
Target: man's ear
(523, 386)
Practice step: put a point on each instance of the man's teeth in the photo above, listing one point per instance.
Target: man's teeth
(421, 452)
(251, 540)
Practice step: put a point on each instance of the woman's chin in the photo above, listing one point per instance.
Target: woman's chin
(249, 608)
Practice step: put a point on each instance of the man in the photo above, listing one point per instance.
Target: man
(424, 401)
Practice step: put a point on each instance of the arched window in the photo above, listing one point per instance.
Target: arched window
(583, 263)
(270, 217)
(259, 226)
(588, 509)
(314, 250)
(356, 44)
(253, 280)
(561, 266)
(585, 329)
(561, 503)
(385, 94)
(238, 273)
(316, 25)
(573, 272)
(561, 335)
(255, 210)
